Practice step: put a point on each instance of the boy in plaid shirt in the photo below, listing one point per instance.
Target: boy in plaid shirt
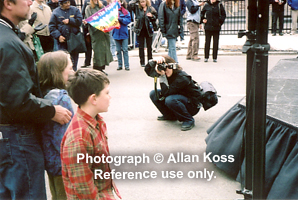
(87, 134)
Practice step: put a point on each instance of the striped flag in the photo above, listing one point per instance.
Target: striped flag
(105, 19)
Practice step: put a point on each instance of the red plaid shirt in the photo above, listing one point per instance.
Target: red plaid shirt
(85, 135)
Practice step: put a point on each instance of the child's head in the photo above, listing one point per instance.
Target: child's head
(86, 83)
(53, 69)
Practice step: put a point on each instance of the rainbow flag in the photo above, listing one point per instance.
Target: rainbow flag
(105, 19)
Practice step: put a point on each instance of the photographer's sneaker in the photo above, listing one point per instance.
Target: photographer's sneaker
(187, 125)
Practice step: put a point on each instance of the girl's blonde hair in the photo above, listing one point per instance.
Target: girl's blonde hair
(92, 4)
(50, 67)
(148, 3)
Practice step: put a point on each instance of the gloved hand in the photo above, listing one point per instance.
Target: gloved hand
(40, 27)
(32, 19)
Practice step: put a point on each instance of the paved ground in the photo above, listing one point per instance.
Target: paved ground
(134, 131)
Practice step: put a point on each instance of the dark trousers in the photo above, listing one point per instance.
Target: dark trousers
(74, 55)
(47, 43)
(141, 48)
(88, 53)
(175, 106)
(280, 17)
(208, 36)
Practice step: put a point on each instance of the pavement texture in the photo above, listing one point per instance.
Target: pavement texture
(134, 130)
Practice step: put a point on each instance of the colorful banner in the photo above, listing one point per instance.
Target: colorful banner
(105, 19)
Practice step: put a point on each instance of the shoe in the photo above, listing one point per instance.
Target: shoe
(187, 125)
(163, 118)
(188, 58)
(273, 34)
(127, 68)
(142, 65)
(214, 60)
(119, 68)
(206, 60)
(104, 72)
(115, 58)
(196, 59)
(281, 34)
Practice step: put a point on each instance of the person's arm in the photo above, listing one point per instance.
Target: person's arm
(126, 19)
(53, 26)
(161, 18)
(76, 21)
(79, 173)
(182, 7)
(222, 15)
(175, 87)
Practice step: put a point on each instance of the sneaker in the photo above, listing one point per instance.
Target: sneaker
(281, 34)
(115, 58)
(188, 58)
(206, 60)
(274, 34)
(187, 125)
(214, 60)
(119, 68)
(127, 68)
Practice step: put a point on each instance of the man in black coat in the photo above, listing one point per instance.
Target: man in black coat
(278, 14)
(22, 110)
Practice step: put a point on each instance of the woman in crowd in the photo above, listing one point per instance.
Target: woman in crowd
(170, 23)
(179, 97)
(121, 36)
(213, 16)
(146, 15)
(100, 40)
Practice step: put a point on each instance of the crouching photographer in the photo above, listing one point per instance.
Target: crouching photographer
(179, 96)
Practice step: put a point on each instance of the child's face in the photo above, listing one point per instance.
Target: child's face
(67, 70)
(103, 99)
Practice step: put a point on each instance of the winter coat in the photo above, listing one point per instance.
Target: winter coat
(20, 96)
(155, 4)
(124, 20)
(276, 7)
(58, 28)
(141, 18)
(169, 21)
(43, 16)
(53, 132)
(215, 15)
(193, 11)
(293, 4)
(100, 41)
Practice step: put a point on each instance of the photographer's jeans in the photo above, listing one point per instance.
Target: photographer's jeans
(21, 164)
(175, 106)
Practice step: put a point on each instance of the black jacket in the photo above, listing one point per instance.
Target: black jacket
(215, 15)
(141, 19)
(170, 22)
(20, 96)
(276, 7)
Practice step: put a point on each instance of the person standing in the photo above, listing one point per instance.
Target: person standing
(100, 41)
(88, 53)
(65, 20)
(170, 24)
(146, 15)
(193, 25)
(277, 14)
(43, 16)
(121, 36)
(213, 16)
(294, 8)
(22, 110)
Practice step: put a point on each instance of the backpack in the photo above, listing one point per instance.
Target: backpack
(209, 95)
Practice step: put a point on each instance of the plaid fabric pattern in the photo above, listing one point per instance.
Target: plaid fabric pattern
(85, 135)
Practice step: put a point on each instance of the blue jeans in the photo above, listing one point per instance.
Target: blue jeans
(175, 106)
(122, 46)
(172, 48)
(21, 164)
(112, 44)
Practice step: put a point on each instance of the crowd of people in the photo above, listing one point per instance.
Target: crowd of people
(39, 129)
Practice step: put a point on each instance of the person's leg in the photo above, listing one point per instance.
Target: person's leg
(194, 34)
(294, 21)
(141, 50)
(88, 53)
(119, 54)
(47, 43)
(74, 58)
(160, 105)
(172, 49)
(215, 44)
(274, 23)
(149, 47)
(125, 53)
(191, 37)
(281, 22)
(207, 43)
(21, 164)
(112, 45)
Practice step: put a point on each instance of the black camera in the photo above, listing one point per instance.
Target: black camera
(163, 66)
